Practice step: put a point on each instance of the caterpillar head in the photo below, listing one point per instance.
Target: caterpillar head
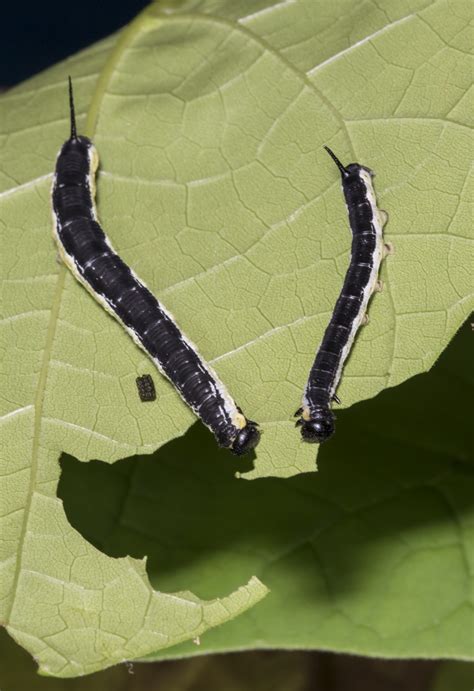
(319, 427)
(246, 440)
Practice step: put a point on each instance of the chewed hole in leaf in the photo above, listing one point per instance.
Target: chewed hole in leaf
(174, 506)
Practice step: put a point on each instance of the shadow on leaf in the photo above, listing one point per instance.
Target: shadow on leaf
(389, 485)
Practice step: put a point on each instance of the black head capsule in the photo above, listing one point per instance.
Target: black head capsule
(319, 427)
(246, 440)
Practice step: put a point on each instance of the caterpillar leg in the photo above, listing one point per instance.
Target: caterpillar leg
(388, 249)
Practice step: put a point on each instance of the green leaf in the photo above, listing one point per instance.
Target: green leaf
(75, 609)
(210, 118)
(371, 555)
(454, 675)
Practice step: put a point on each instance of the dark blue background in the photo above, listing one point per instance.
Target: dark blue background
(35, 35)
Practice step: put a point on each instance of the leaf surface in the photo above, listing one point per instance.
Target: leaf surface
(372, 555)
(210, 118)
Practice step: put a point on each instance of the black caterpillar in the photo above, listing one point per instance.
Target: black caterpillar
(88, 253)
(367, 252)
